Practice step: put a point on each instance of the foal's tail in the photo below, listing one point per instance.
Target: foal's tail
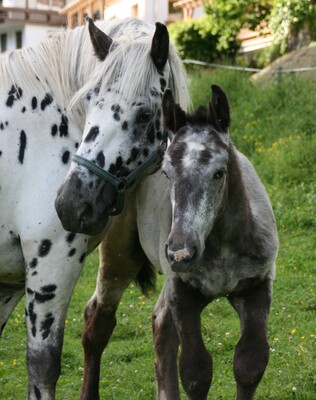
(146, 278)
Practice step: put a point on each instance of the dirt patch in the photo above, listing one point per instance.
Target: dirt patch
(301, 58)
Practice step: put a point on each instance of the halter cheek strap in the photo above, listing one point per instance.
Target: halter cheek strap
(121, 184)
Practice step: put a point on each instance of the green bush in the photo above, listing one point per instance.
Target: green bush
(201, 40)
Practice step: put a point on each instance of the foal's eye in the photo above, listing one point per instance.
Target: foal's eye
(143, 117)
(219, 174)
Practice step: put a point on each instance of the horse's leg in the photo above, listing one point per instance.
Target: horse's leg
(121, 258)
(52, 270)
(186, 305)
(10, 295)
(252, 350)
(166, 343)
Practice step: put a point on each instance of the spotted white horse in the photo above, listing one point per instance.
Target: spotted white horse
(208, 226)
(91, 91)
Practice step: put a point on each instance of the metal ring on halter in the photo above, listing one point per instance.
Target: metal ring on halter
(121, 184)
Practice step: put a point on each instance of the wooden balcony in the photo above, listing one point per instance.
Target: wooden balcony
(31, 16)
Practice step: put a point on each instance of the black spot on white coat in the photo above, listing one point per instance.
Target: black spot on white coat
(44, 248)
(116, 116)
(46, 101)
(72, 252)
(43, 297)
(54, 130)
(46, 325)
(32, 315)
(22, 146)
(33, 263)
(14, 94)
(34, 103)
(100, 159)
(63, 127)
(92, 135)
(65, 157)
(70, 237)
(82, 258)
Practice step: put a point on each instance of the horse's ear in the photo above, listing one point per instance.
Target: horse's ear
(174, 117)
(100, 41)
(219, 110)
(160, 46)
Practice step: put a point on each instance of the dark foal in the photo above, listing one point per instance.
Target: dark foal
(207, 224)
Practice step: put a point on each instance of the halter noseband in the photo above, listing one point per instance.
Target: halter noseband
(122, 184)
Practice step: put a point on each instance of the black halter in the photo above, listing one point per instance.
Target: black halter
(121, 184)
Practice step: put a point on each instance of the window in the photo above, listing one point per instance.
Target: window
(4, 40)
(18, 39)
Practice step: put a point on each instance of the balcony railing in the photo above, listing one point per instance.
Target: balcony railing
(25, 15)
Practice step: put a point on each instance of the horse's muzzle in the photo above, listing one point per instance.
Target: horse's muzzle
(81, 211)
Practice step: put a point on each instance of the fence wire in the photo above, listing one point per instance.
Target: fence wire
(246, 69)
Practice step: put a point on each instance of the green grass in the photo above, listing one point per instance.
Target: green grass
(275, 126)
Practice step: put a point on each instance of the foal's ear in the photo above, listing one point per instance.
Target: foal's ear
(100, 41)
(160, 46)
(219, 110)
(173, 116)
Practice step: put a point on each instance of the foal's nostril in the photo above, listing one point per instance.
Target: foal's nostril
(193, 254)
(169, 255)
(188, 259)
(182, 258)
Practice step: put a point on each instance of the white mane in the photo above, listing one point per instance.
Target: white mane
(65, 65)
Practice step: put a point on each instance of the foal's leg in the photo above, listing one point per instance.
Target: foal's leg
(121, 259)
(166, 343)
(252, 350)
(186, 305)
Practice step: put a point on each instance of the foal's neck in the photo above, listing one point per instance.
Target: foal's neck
(234, 223)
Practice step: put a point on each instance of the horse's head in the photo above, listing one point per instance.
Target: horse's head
(123, 123)
(196, 165)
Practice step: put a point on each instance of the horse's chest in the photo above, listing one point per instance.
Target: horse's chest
(224, 273)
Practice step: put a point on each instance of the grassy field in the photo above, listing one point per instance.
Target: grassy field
(275, 126)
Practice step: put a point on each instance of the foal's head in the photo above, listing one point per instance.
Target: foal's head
(196, 165)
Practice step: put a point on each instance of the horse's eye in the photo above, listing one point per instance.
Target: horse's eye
(219, 174)
(143, 117)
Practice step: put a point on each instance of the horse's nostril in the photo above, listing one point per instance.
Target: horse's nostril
(87, 212)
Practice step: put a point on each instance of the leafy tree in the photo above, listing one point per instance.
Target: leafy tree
(215, 35)
(288, 17)
(236, 14)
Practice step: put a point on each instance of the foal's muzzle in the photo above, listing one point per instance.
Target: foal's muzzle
(181, 258)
